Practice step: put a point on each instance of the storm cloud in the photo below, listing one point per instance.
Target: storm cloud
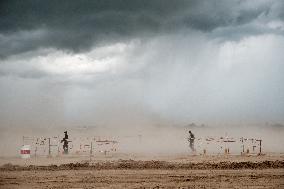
(77, 26)
(141, 62)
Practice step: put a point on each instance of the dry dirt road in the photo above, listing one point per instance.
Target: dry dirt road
(179, 172)
(153, 178)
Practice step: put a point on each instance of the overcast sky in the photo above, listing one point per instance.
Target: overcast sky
(138, 62)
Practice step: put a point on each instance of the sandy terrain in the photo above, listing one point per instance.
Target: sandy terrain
(153, 178)
(99, 157)
(133, 171)
(156, 161)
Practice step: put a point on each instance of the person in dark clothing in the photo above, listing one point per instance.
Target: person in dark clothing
(65, 142)
(191, 139)
(65, 135)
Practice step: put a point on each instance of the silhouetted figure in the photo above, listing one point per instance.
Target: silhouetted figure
(65, 143)
(191, 139)
(65, 135)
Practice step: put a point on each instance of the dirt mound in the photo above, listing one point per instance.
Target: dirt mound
(131, 164)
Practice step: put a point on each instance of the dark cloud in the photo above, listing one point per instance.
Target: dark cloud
(79, 25)
(104, 61)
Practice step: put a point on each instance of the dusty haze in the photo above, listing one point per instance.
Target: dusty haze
(150, 68)
(147, 140)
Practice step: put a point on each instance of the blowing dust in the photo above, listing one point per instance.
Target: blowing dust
(146, 140)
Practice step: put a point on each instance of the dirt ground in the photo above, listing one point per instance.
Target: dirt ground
(180, 158)
(153, 178)
(133, 171)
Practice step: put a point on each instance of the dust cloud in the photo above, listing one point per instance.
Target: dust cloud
(147, 140)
